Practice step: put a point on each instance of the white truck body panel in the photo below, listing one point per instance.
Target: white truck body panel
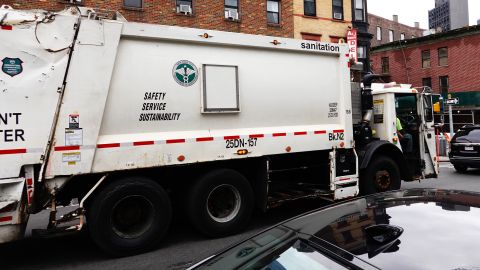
(32, 73)
(280, 105)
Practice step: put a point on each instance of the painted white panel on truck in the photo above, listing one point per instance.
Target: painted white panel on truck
(87, 85)
(34, 57)
(151, 119)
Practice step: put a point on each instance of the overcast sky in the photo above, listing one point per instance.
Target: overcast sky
(410, 11)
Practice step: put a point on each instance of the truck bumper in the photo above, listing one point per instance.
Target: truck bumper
(13, 214)
(10, 233)
(467, 161)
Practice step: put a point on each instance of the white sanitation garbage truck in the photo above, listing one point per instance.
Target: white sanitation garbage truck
(137, 121)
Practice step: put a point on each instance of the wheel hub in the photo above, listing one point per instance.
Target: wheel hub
(132, 216)
(223, 203)
(383, 180)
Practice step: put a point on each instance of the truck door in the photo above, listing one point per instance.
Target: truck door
(427, 136)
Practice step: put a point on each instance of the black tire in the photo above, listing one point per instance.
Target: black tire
(129, 216)
(460, 168)
(234, 211)
(382, 174)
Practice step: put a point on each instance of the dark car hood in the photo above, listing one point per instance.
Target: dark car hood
(441, 229)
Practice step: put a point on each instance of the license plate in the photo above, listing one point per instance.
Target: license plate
(468, 148)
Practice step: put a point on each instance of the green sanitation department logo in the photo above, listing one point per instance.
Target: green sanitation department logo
(12, 66)
(185, 73)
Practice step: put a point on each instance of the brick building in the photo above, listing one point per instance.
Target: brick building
(447, 62)
(385, 30)
(322, 20)
(262, 17)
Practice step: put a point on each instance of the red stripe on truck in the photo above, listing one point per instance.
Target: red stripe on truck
(338, 131)
(67, 148)
(299, 133)
(143, 143)
(176, 141)
(5, 219)
(279, 134)
(204, 139)
(256, 136)
(320, 132)
(108, 145)
(231, 137)
(13, 151)
(7, 27)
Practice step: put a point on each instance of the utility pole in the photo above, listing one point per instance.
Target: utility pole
(450, 117)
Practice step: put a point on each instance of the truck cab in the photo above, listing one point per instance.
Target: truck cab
(403, 116)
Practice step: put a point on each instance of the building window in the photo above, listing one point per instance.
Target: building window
(309, 8)
(385, 65)
(133, 4)
(359, 10)
(402, 36)
(337, 9)
(314, 37)
(273, 11)
(426, 59)
(427, 82)
(362, 52)
(444, 86)
(443, 56)
(379, 33)
(184, 6)
(337, 39)
(231, 9)
(413, 36)
(390, 35)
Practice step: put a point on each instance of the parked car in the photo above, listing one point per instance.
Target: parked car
(411, 229)
(465, 148)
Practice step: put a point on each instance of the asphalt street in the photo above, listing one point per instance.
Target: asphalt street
(183, 246)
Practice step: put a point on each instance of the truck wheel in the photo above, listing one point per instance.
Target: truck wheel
(129, 216)
(460, 168)
(220, 203)
(382, 174)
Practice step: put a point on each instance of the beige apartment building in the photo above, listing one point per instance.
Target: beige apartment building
(322, 20)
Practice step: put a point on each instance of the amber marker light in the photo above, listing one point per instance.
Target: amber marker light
(181, 158)
(242, 152)
(288, 149)
(395, 140)
(342, 144)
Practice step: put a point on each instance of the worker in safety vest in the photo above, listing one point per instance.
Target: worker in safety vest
(406, 139)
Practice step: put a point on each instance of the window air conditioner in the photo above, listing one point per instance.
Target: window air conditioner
(75, 2)
(232, 15)
(337, 16)
(186, 9)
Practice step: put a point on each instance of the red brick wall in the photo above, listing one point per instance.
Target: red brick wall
(387, 25)
(208, 14)
(463, 63)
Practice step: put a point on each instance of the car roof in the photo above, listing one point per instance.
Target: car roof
(435, 224)
(439, 230)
